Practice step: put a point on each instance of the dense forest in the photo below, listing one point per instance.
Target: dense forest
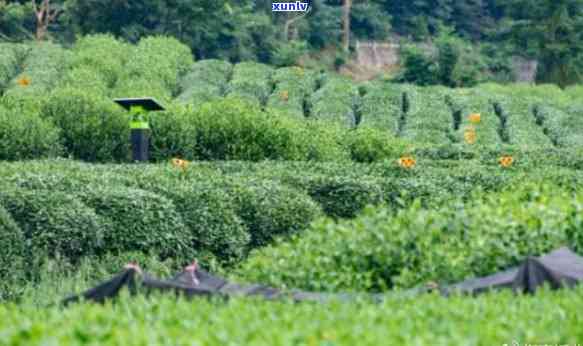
(474, 38)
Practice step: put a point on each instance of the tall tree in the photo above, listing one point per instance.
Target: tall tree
(46, 13)
(346, 24)
(551, 31)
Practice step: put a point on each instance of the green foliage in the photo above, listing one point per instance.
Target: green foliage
(379, 107)
(271, 210)
(12, 257)
(231, 129)
(138, 220)
(381, 250)
(173, 134)
(86, 79)
(369, 21)
(335, 102)
(549, 30)
(342, 197)
(158, 61)
(8, 63)
(251, 81)
(16, 20)
(43, 67)
(92, 127)
(292, 87)
(54, 223)
(418, 67)
(211, 216)
(288, 53)
(398, 320)
(24, 135)
(102, 54)
(325, 26)
(455, 63)
(207, 80)
(372, 145)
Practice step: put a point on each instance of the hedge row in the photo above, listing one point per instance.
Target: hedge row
(9, 63)
(489, 131)
(519, 122)
(44, 65)
(292, 86)
(233, 129)
(98, 63)
(424, 320)
(27, 136)
(382, 250)
(221, 210)
(92, 127)
(251, 81)
(335, 102)
(378, 108)
(12, 264)
(74, 211)
(428, 119)
(206, 81)
(153, 68)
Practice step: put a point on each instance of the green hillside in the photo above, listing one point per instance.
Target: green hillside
(54, 87)
(294, 178)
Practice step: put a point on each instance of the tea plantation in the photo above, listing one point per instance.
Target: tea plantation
(293, 178)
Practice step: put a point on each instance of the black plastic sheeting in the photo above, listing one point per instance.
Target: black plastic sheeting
(194, 282)
(559, 269)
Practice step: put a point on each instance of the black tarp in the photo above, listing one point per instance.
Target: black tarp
(558, 269)
(194, 281)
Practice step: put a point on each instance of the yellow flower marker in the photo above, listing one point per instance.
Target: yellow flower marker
(23, 81)
(284, 95)
(475, 118)
(506, 161)
(470, 136)
(407, 162)
(178, 163)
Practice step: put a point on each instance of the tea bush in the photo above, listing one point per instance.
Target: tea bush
(206, 81)
(420, 320)
(211, 216)
(86, 79)
(271, 210)
(44, 65)
(341, 196)
(378, 108)
(369, 145)
(103, 54)
(292, 86)
(9, 63)
(251, 81)
(158, 61)
(25, 135)
(382, 250)
(428, 120)
(54, 223)
(173, 134)
(233, 129)
(138, 221)
(335, 102)
(12, 256)
(489, 131)
(92, 127)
